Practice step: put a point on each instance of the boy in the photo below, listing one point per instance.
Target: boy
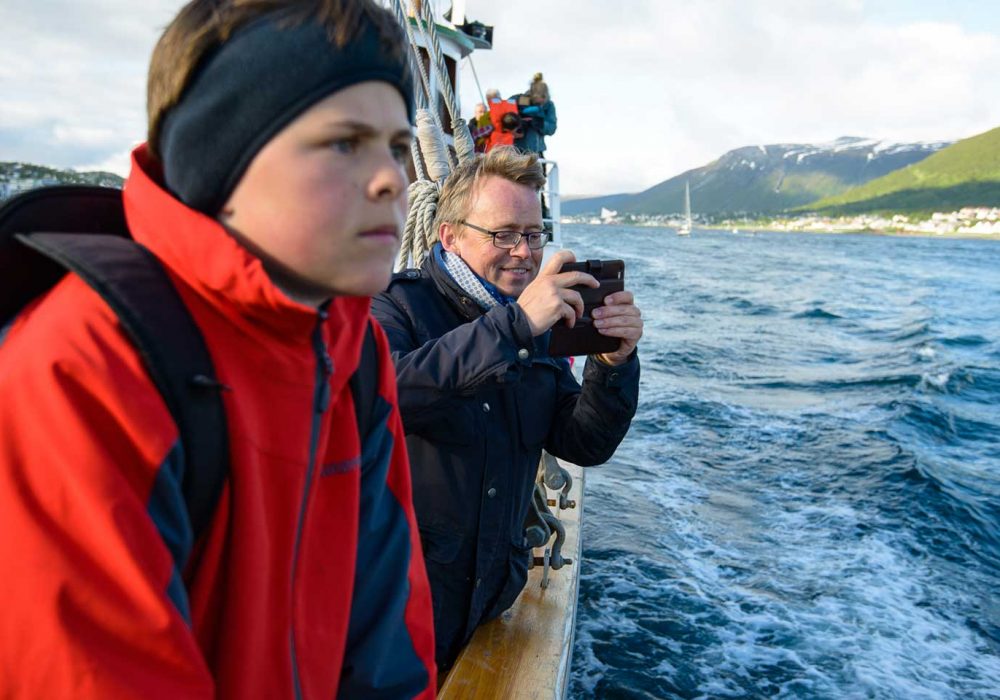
(272, 190)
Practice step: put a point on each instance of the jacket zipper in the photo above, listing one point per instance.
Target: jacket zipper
(321, 402)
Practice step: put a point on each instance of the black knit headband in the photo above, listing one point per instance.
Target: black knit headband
(249, 89)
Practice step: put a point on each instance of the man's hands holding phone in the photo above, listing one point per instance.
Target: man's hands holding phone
(550, 299)
(619, 318)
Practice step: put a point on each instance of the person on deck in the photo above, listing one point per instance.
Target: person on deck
(273, 191)
(505, 122)
(480, 395)
(538, 112)
(480, 127)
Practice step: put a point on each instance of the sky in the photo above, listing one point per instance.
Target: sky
(644, 89)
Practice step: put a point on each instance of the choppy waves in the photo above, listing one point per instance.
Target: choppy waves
(808, 504)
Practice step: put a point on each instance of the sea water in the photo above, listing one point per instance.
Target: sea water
(808, 502)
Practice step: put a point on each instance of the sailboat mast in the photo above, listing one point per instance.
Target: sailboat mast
(685, 228)
(687, 203)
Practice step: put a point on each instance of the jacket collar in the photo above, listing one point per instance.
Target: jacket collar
(466, 306)
(197, 249)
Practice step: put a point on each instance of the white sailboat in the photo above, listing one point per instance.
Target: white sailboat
(685, 228)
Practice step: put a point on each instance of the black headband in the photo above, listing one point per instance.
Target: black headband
(249, 89)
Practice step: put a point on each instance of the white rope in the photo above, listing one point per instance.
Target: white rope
(432, 159)
(428, 29)
(421, 71)
(413, 56)
(432, 146)
(418, 159)
(465, 146)
(419, 235)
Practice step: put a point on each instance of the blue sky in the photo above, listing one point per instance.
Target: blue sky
(972, 15)
(645, 89)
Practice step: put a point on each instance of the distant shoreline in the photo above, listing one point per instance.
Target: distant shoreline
(869, 232)
(810, 232)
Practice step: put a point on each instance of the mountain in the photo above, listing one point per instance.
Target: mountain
(964, 174)
(18, 177)
(767, 179)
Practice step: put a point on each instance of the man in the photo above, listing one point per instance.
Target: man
(539, 113)
(480, 127)
(479, 394)
(274, 197)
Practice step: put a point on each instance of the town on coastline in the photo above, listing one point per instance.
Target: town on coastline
(966, 222)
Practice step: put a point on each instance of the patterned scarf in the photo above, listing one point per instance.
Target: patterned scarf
(485, 294)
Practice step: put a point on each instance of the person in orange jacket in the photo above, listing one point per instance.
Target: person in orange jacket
(501, 119)
(274, 197)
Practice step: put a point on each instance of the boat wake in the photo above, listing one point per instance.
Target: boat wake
(808, 504)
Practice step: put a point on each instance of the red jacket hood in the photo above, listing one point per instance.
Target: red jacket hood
(197, 249)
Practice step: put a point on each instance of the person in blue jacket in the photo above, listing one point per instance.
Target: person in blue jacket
(538, 113)
(480, 396)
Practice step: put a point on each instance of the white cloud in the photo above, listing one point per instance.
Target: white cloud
(644, 89)
(663, 87)
(72, 76)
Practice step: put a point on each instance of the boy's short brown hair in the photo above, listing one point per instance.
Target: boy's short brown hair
(505, 162)
(203, 25)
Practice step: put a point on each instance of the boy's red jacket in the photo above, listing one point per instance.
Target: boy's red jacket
(309, 582)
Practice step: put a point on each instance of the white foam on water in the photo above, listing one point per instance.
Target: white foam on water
(796, 598)
(936, 380)
(853, 616)
(754, 550)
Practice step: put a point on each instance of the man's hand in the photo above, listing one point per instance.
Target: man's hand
(549, 298)
(619, 318)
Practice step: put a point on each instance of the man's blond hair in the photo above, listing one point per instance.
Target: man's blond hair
(504, 162)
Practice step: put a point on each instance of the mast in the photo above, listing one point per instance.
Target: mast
(685, 228)
(687, 204)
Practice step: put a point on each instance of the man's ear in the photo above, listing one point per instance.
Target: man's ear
(448, 233)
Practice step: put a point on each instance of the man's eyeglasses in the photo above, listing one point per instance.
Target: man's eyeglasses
(511, 239)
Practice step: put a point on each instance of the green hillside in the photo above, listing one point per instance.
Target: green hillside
(964, 174)
(766, 179)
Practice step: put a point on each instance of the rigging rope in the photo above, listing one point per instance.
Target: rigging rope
(432, 159)
(475, 75)
(464, 145)
(425, 80)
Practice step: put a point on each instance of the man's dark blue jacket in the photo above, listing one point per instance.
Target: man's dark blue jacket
(480, 399)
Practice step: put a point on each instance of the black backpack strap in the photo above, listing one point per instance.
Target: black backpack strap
(63, 208)
(364, 384)
(134, 284)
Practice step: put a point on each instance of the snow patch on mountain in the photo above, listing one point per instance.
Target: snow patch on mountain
(874, 147)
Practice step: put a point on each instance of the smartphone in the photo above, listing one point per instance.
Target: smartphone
(583, 338)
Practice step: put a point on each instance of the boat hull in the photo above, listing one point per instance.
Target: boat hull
(526, 652)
